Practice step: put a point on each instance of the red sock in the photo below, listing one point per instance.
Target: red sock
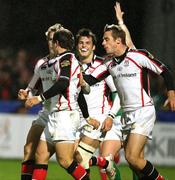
(160, 178)
(103, 174)
(27, 168)
(117, 158)
(77, 171)
(40, 172)
(101, 161)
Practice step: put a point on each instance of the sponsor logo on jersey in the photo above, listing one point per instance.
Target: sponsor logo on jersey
(65, 63)
(127, 75)
(126, 63)
(46, 78)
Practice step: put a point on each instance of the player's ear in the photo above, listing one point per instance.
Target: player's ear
(118, 41)
(93, 47)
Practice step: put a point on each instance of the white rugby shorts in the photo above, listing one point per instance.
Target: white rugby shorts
(115, 132)
(140, 121)
(62, 126)
(94, 134)
(43, 118)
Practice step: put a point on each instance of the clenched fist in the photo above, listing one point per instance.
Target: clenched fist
(23, 94)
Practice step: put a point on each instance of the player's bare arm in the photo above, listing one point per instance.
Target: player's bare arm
(119, 16)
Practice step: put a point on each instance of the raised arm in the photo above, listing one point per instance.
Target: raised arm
(119, 15)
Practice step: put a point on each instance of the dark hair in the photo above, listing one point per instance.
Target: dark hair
(65, 39)
(86, 32)
(117, 32)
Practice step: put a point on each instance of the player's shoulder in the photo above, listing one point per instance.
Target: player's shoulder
(67, 56)
(41, 61)
(142, 52)
(66, 59)
(99, 59)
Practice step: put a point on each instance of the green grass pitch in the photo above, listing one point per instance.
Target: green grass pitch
(10, 170)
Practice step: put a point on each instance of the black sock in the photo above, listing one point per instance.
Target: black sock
(149, 172)
(88, 172)
(93, 161)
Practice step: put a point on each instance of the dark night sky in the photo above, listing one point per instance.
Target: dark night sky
(24, 22)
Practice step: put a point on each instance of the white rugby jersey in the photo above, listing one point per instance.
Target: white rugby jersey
(130, 74)
(97, 100)
(68, 100)
(43, 70)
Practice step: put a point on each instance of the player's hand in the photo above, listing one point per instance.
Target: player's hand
(22, 94)
(93, 122)
(119, 13)
(170, 100)
(107, 124)
(32, 101)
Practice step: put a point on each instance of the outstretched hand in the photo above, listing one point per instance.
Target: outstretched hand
(119, 13)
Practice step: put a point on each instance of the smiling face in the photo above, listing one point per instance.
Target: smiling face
(85, 47)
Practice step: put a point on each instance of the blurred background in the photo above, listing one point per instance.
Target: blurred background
(22, 43)
(23, 24)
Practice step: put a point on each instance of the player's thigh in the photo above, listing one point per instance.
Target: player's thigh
(64, 150)
(110, 147)
(43, 152)
(90, 141)
(135, 145)
(34, 133)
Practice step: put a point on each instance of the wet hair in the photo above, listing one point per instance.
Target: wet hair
(117, 32)
(65, 39)
(88, 33)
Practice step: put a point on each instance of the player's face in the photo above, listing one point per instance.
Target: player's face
(109, 43)
(85, 46)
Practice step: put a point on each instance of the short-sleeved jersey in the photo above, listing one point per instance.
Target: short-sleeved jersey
(97, 98)
(68, 99)
(43, 70)
(130, 75)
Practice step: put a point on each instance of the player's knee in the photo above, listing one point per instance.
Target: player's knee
(85, 152)
(28, 150)
(131, 158)
(64, 162)
(42, 157)
(77, 156)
